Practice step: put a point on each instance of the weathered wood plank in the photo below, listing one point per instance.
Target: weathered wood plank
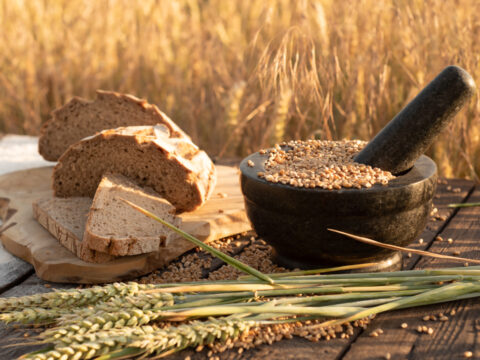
(451, 338)
(302, 349)
(453, 191)
(11, 334)
(448, 192)
(12, 269)
(294, 349)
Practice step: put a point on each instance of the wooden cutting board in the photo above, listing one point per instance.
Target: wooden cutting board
(223, 215)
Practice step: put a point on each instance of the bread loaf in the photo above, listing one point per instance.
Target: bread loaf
(65, 219)
(116, 228)
(80, 118)
(173, 167)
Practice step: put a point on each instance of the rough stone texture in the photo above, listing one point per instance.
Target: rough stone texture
(411, 132)
(295, 220)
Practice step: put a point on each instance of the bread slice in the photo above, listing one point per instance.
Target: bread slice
(80, 118)
(65, 219)
(114, 227)
(173, 167)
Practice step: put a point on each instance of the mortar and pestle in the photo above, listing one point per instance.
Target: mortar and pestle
(294, 221)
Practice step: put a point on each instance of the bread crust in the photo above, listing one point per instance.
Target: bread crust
(46, 212)
(140, 234)
(80, 118)
(173, 167)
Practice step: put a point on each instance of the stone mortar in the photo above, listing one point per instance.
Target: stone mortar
(295, 220)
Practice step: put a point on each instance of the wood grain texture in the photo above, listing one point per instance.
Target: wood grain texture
(12, 269)
(450, 338)
(448, 192)
(3, 210)
(221, 216)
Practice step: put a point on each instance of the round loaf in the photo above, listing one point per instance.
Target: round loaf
(80, 118)
(173, 167)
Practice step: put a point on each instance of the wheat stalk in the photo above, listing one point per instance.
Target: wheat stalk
(72, 298)
(145, 339)
(115, 304)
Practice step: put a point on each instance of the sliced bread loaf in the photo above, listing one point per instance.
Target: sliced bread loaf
(80, 118)
(65, 219)
(173, 167)
(114, 227)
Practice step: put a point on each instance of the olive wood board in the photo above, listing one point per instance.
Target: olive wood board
(222, 215)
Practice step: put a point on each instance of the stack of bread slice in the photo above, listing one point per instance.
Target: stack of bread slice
(118, 147)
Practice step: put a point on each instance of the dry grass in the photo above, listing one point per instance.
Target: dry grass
(240, 75)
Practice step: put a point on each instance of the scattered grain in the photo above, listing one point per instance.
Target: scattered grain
(250, 163)
(388, 356)
(268, 334)
(453, 312)
(467, 354)
(420, 241)
(438, 238)
(456, 190)
(429, 331)
(409, 255)
(404, 325)
(443, 318)
(450, 240)
(456, 252)
(426, 318)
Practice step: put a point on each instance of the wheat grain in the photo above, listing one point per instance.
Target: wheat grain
(323, 164)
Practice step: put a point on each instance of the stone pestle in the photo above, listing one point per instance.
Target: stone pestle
(411, 132)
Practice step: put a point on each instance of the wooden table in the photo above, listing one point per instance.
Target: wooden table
(450, 339)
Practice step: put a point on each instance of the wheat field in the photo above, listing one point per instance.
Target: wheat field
(241, 75)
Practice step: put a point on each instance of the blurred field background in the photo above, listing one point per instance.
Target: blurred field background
(241, 75)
